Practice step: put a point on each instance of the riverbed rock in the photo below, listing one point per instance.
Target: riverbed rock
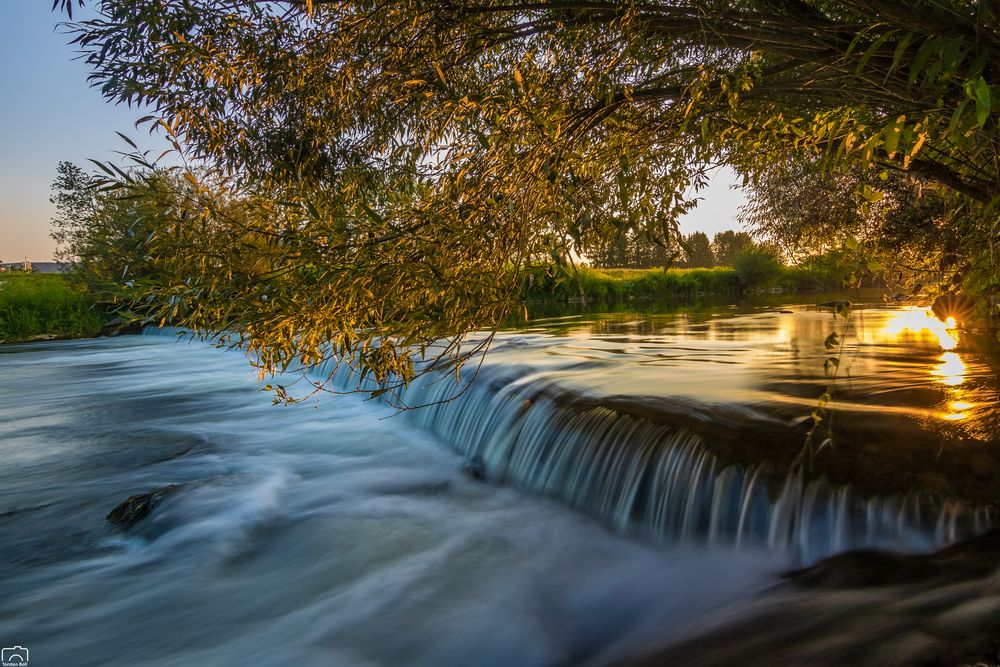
(859, 609)
(135, 508)
(954, 305)
(119, 326)
(972, 559)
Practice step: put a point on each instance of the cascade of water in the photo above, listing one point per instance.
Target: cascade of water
(660, 480)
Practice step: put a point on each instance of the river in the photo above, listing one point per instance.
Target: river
(636, 490)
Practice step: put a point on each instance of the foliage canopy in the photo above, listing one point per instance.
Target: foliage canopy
(370, 172)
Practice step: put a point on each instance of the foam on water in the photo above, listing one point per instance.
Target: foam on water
(302, 535)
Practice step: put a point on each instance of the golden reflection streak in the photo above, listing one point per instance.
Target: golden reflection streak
(951, 370)
(958, 410)
(923, 323)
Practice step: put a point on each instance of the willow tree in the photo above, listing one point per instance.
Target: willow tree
(813, 215)
(398, 160)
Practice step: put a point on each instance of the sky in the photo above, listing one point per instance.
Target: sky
(48, 113)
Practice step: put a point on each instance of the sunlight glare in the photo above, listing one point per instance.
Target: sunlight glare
(951, 371)
(922, 322)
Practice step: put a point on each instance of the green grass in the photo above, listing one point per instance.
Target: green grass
(34, 305)
(611, 285)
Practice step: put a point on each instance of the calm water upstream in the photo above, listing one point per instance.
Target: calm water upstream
(638, 490)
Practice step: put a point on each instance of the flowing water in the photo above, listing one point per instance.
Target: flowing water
(690, 426)
(642, 479)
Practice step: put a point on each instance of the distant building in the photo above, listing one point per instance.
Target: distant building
(47, 267)
(33, 267)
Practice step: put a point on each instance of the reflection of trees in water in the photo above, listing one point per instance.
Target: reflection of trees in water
(914, 405)
(904, 360)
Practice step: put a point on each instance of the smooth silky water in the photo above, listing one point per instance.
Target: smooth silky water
(641, 483)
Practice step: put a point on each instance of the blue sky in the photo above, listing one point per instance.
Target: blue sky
(48, 114)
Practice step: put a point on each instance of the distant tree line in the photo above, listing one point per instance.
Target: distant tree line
(695, 250)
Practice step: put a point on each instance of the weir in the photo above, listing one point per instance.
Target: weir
(662, 479)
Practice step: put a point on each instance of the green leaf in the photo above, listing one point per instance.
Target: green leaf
(901, 47)
(870, 194)
(925, 51)
(371, 212)
(870, 51)
(979, 90)
(833, 362)
(892, 134)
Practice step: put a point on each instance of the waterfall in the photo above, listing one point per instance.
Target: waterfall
(658, 480)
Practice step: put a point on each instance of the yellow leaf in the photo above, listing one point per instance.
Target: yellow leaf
(440, 74)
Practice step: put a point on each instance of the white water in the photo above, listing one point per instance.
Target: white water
(305, 535)
(661, 479)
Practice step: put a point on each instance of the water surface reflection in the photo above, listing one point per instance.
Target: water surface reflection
(915, 399)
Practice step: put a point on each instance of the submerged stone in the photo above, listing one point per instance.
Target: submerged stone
(119, 326)
(971, 559)
(135, 508)
(861, 609)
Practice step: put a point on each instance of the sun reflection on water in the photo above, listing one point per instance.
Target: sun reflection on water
(950, 370)
(921, 323)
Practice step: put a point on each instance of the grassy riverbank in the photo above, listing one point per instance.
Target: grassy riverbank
(45, 305)
(610, 285)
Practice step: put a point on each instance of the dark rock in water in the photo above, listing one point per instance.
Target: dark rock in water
(835, 304)
(972, 559)
(475, 468)
(135, 508)
(859, 609)
(177, 454)
(119, 326)
(957, 306)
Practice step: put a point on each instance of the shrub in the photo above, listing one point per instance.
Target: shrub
(757, 267)
(37, 304)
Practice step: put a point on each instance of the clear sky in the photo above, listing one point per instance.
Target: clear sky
(48, 113)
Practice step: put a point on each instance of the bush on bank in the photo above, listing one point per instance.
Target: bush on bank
(751, 271)
(34, 305)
